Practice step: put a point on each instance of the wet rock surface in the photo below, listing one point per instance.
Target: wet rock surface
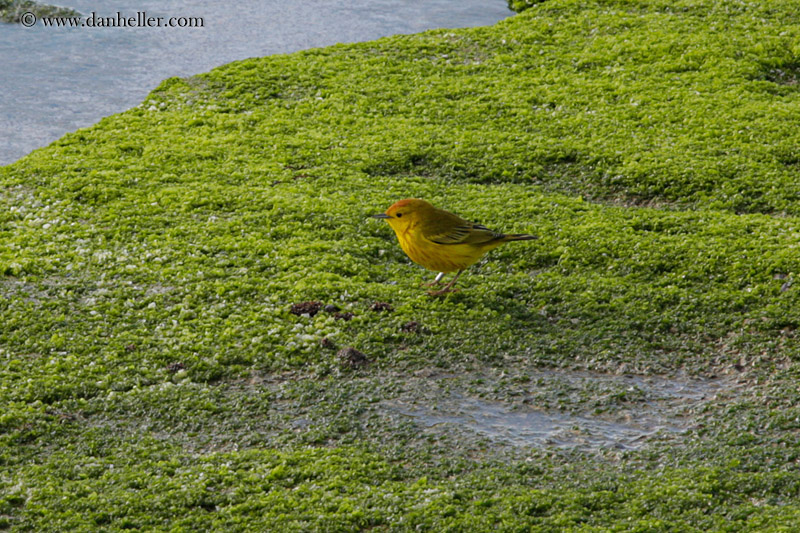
(557, 410)
(575, 410)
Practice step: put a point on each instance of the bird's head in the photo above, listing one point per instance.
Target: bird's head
(405, 213)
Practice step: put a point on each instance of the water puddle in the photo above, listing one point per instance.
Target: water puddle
(593, 411)
(528, 427)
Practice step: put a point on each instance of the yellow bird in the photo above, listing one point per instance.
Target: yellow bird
(441, 241)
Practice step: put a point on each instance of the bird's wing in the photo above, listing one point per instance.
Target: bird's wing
(452, 229)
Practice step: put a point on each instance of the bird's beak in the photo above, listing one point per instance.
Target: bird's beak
(382, 215)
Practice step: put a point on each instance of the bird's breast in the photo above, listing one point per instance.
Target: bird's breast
(437, 257)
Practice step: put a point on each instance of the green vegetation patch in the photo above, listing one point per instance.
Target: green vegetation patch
(201, 325)
(348, 490)
(12, 10)
(521, 5)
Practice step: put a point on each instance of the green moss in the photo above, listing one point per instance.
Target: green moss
(521, 5)
(348, 490)
(150, 365)
(12, 10)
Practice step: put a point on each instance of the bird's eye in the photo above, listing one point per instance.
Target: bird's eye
(399, 215)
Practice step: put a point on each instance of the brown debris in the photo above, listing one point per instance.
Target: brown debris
(411, 327)
(306, 308)
(175, 366)
(352, 358)
(381, 306)
(326, 343)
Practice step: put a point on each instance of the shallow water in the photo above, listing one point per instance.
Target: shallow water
(529, 427)
(56, 80)
(644, 409)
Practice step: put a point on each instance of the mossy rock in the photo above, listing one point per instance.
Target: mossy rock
(12, 10)
(178, 279)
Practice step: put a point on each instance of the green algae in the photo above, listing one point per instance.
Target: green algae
(349, 490)
(521, 5)
(153, 376)
(12, 10)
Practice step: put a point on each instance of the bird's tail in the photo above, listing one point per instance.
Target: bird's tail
(519, 237)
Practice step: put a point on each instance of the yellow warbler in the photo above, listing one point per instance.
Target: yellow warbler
(439, 240)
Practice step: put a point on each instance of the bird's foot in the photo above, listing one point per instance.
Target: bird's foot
(447, 288)
(443, 291)
(436, 281)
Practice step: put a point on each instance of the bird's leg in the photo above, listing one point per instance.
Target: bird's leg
(447, 288)
(436, 281)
